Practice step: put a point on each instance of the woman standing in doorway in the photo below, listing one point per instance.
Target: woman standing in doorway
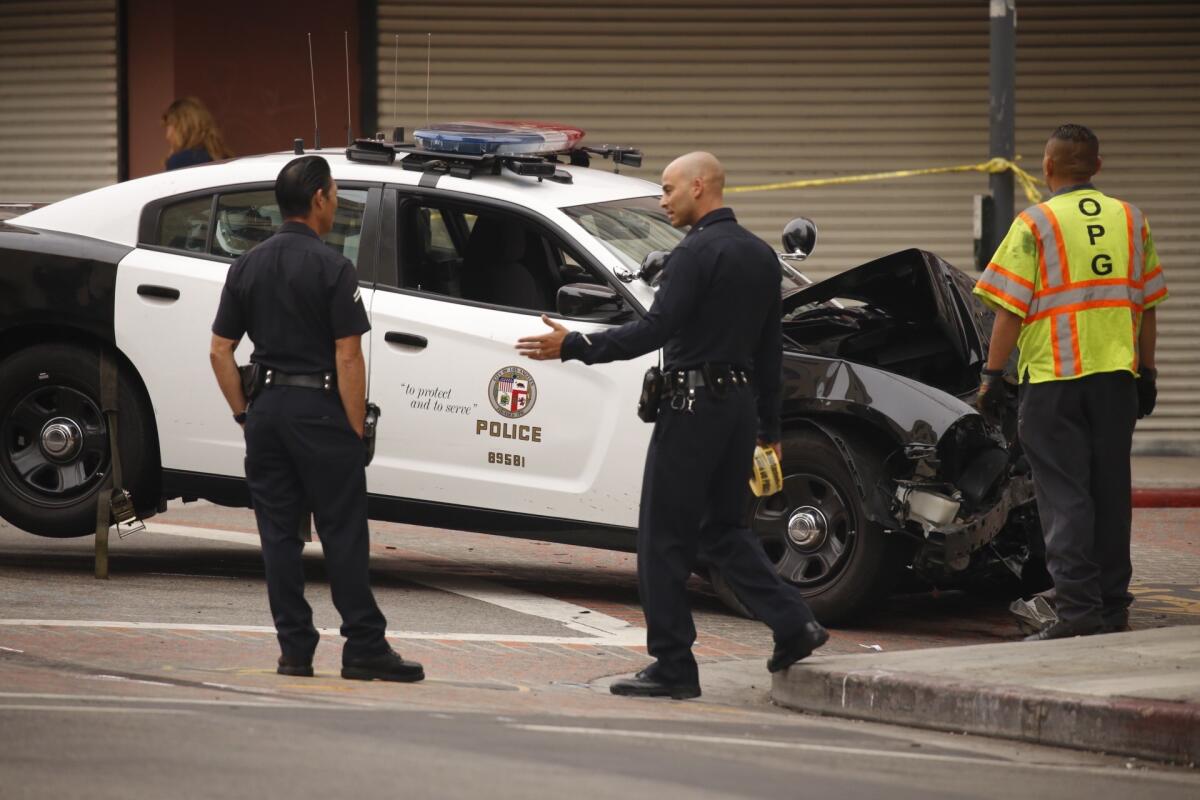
(192, 134)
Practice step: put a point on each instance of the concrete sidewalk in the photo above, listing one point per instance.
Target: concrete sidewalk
(1135, 693)
(1166, 481)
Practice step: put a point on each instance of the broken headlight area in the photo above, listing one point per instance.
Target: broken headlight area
(958, 500)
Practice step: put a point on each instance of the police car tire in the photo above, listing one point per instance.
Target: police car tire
(874, 563)
(73, 368)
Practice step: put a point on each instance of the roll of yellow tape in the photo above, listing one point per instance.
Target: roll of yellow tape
(766, 477)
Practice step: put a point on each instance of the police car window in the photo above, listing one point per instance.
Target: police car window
(629, 229)
(245, 219)
(482, 256)
(184, 225)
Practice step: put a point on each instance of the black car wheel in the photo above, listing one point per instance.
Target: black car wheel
(816, 533)
(54, 439)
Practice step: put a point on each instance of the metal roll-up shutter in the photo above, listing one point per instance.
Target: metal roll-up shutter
(792, 89)
(58, 98)
(1131, 72)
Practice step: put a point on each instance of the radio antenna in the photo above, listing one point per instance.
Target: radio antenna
(312, 76)
(428, 62)
(349, 124)
(396, 83)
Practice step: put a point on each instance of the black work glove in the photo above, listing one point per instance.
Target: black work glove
(1147, 391)
(993, 396)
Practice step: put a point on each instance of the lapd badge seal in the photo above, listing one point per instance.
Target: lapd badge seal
(512, 392)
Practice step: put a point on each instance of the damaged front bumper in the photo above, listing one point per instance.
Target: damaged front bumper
(948, 545)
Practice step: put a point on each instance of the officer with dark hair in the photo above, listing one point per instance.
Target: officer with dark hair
(717, 318)
(1075, 285)
(299, 302)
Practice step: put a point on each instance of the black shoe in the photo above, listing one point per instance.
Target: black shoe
(387, 666)
(789, 651)
(291, 665)
(648, 683)
(1065, 629)
(1116, 621)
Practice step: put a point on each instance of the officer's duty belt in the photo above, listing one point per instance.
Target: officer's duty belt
(718, 377)
(317, 380)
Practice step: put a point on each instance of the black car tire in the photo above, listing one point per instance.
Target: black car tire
(38, 387)
(859, 563)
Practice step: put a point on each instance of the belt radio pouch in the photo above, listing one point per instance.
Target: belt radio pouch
(652, 390)
(370, 425)
(254, 379)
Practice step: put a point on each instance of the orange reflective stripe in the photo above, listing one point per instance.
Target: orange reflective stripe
(1159, 294)
(1056, 345)
(1154, 273)
(1005, 296)
(1059, 243)
(1077, 307)
(1041, 247)
(1012, 276)
(1075, 354)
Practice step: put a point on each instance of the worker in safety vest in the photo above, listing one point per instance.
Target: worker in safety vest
(1074, 285)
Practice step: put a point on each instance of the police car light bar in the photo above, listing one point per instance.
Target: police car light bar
(465, 149)
(499, 137)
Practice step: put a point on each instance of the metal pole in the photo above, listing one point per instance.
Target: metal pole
(1002, 138)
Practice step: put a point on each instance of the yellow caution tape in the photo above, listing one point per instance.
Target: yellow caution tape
(1028, 182)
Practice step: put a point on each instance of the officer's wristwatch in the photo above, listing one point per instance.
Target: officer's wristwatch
(240, 418)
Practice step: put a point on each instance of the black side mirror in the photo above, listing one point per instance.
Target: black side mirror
(590, 301)
(799, 238)
(652, 266)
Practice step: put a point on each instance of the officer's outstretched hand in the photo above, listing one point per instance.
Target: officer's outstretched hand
(546, 346)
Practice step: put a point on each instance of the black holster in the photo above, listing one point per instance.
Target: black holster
(652, 389)
(370, 425)
(254, 378)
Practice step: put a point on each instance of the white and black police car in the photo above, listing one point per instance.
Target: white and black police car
(461, 240)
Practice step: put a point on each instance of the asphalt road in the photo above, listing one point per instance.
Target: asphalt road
(160, 682)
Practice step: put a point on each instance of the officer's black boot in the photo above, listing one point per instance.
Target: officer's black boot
(291, 665)
(795, 648)
(387, 666)
(651, 682)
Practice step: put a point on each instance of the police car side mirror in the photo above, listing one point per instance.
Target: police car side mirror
(799, 238)
(590, 301)
(652, 266)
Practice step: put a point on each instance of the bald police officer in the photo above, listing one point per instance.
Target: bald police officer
(299, 302)
(717, 318)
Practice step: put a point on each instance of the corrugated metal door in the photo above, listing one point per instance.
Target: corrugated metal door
(58, 98)
(789, 89)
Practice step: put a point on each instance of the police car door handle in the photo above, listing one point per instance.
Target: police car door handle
(161, 292)
(406, 339)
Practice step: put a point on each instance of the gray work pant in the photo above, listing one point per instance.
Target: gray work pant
(1077, 435)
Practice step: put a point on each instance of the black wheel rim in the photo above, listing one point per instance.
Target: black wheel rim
(808, 529)
(55, 445)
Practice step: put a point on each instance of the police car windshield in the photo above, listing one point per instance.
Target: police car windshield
(632, 228)
(628, 228)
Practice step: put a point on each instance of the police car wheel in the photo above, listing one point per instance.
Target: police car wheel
(54, 439)
(816, 533)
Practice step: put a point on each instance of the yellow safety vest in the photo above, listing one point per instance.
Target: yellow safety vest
(1079, 269)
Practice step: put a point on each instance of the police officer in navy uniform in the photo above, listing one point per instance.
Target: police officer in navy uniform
(299, 302)
(717, 318)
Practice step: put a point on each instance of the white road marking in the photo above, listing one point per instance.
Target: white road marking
(850, 751)
(93, 709)
(332, 632)
(602, 628)
(186, 701)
